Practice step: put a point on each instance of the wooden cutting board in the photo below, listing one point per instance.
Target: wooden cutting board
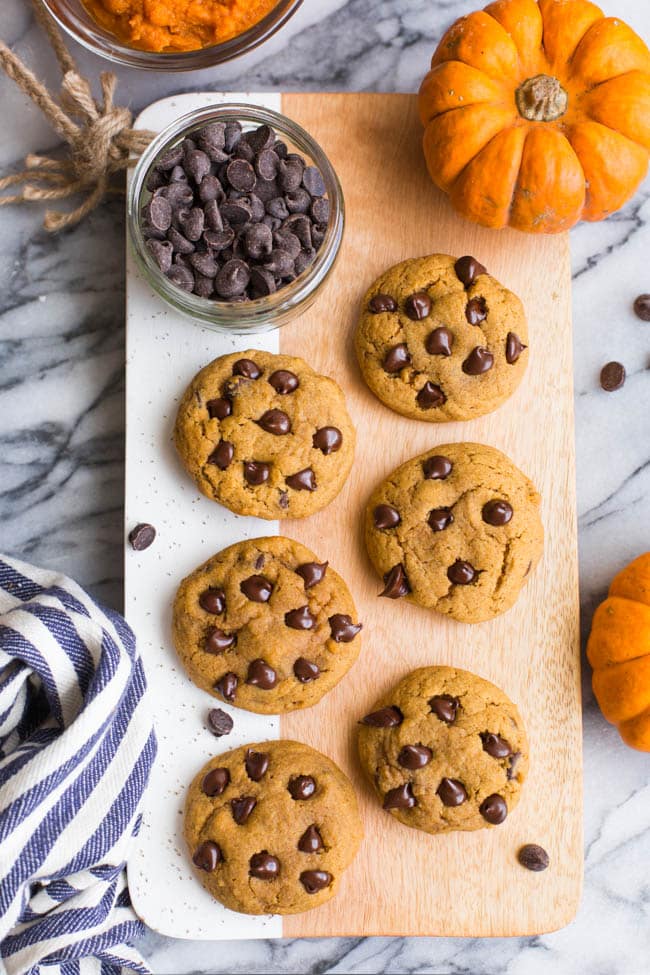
(403, 882)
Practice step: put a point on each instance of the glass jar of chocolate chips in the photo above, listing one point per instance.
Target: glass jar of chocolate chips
(236, 217)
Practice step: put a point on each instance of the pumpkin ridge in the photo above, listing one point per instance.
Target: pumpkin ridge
(504, 101)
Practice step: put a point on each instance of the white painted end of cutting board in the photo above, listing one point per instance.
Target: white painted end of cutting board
(164, 351)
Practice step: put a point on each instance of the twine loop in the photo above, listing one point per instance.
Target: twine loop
(100, 136)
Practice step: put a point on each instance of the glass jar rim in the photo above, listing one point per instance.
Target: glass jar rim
(258, 313)
(100, 41)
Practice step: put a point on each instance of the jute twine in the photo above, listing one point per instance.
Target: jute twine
(99, 136)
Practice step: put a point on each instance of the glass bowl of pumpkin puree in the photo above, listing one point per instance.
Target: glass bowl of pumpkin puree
(171, 35)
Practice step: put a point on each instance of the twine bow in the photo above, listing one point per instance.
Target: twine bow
(99, 135)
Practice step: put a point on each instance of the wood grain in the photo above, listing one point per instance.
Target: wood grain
(404, 882)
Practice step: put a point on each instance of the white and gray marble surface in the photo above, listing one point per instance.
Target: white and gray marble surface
(61, 447)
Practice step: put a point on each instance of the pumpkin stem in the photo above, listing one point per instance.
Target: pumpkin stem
(541, 99)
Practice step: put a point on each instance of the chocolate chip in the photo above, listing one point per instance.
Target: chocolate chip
(219, 409)
(142, 536)
(197, 165)
(417, 306)
(207, 856)
(468, 269)
(158, 214)
(182, 277)
(232, 279)
(313, 181)
(312, 573)
(302, 787)
(170, 158)
(262, 282)
(445, 707)
(397, 358)
(260, 674)
(451, 792)
(256, 764)
(439, 342)
(222, 455)
(389, 717)
(210, 191)
(494, 745)
(479, 360)
(215, 782)
(342, 629)
(178, 195)
(514, 348)
(476, 311)
(263, 137)
(276, 422)
(227, 686)
(437, 468)
(241, 175)
(302, 481)
(162, 252)
(414, 756)
(311, 841)
(287, 241)
(246, 368)
(191, 222)
(400, 798)
(382, 303)
(213, 601)
(306, 670)
(493, 809)
(242, 808)
(315, 880)
(328, 440)
(461, 573)
(511, 771)
(497, 513)
(284, 382)
(385, 516)
(257, 588)
(232, 134)
(204, 263)
(534, 857)
(266, 164)
(439, 519)
(430, 396)
(396, 584)
(263, 866)
(300, 619)
(298, 201)
(279, 262)
(320, 210)
(642, 307)
(219, 722)
(612, 376)
(256, 473)
(217, 641)
(258, 241)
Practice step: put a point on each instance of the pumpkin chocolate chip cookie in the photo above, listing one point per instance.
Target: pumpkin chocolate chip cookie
(271, 827)
(440, 339)
(457, 530)
(266, 625)
(265, 435)
(445, 750)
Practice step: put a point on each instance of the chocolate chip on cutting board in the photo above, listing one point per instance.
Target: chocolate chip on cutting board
(533, 857)
(249, 215)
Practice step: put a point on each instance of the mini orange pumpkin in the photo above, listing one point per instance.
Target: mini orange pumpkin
(537, 114)
(618, 649)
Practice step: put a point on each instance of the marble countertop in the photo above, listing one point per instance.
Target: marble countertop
(61, 453)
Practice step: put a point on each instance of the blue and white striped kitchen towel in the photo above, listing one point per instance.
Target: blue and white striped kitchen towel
(76, 750)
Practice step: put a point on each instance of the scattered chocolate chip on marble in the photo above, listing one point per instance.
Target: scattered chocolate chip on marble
(142, 536)
(249, 215)
(642, 307)
(612, 376)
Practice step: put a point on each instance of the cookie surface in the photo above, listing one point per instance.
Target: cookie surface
(265, 435)
(266, 625)
(457, 530)
(440, 339)
(445, 750)
(271, 827)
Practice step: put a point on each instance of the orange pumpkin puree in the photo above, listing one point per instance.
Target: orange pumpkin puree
(177, 25)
